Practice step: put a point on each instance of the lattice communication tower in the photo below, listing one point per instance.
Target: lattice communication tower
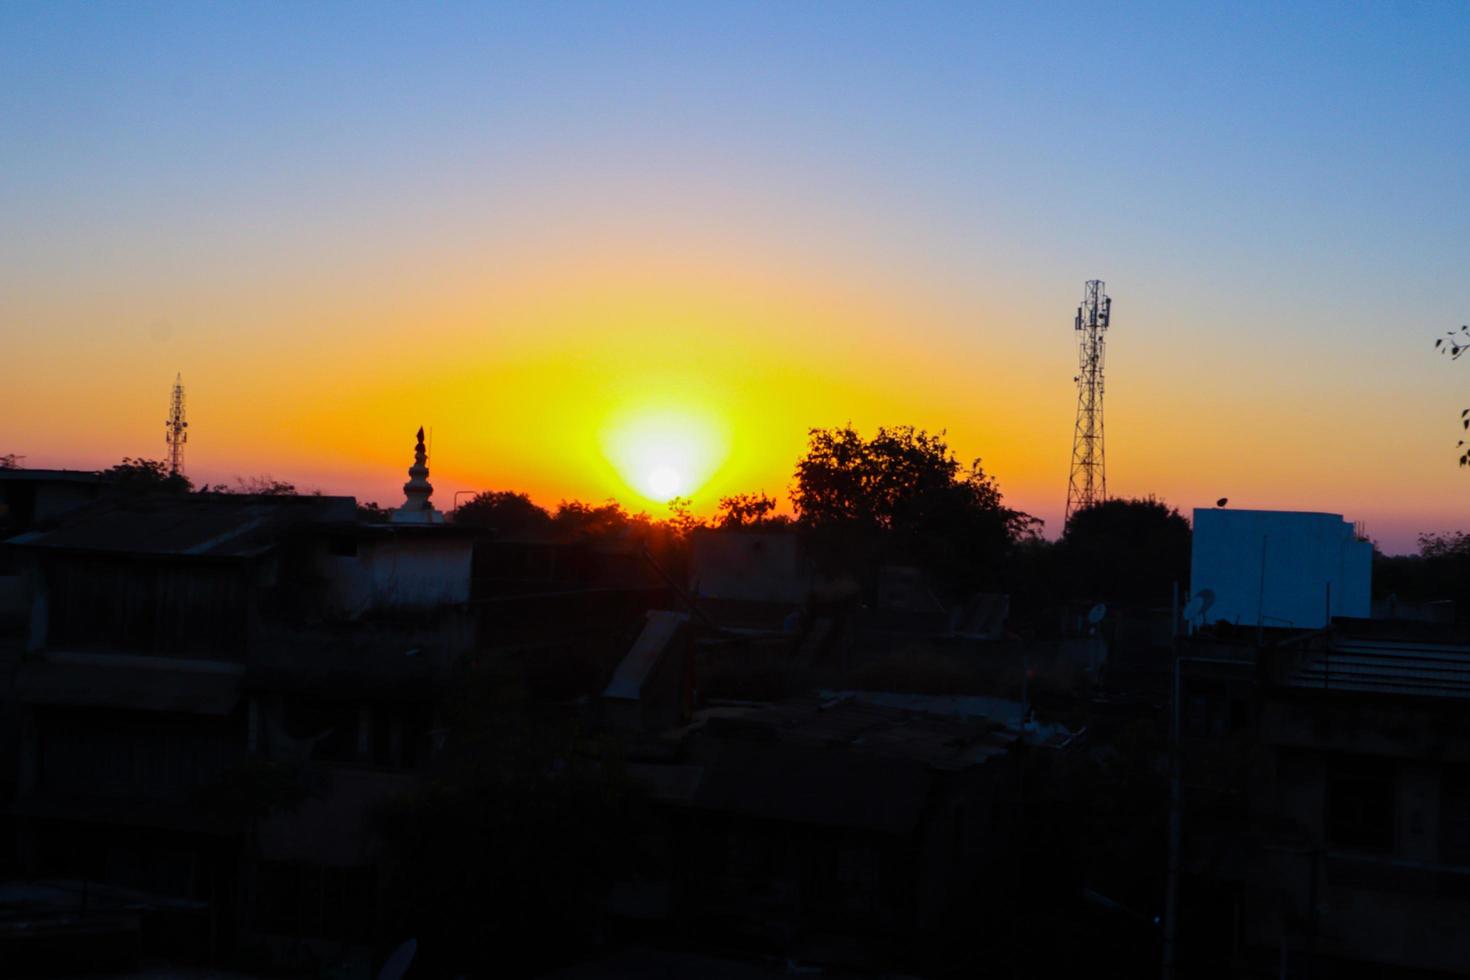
(176, 429)
(1088, 482)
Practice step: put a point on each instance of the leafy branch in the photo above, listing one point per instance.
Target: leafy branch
(1455, 343)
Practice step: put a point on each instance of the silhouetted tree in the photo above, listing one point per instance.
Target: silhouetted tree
(254, 486)
(371, 513)
(1455, 343)
(1455, 544)
(1441, 570)
(1125, 551)
(681, 522)
(10, 461)
(574, 519)
(904, 496)
(140, 476)
(750, 510)
(504, 511)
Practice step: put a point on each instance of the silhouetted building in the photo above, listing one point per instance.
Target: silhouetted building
(1327, 816)
(216, 690)
(841, 827)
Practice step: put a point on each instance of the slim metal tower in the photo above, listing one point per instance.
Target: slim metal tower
(1088, 482)
(176, 429)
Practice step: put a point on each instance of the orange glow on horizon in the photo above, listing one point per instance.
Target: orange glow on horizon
(582, 377)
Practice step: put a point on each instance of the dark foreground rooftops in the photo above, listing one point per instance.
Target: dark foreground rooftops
(193, 525)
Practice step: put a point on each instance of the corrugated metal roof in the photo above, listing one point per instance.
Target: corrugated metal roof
(1436, 670)
(202, 525)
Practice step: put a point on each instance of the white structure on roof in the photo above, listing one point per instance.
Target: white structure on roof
(416, 508)
(1279, 568)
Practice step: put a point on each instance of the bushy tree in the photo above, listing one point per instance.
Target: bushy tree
(904, 496)
(575, 519)
(504, 511)
(254, 486)
(1441, 570)
(136, 475)
(1121, 550)
(371, 513)
(750, 510)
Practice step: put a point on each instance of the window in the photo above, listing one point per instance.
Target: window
(1362, 796)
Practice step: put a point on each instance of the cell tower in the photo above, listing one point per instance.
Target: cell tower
(176, 429)
(1088, 483)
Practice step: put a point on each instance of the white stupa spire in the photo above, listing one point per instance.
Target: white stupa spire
(416, 508)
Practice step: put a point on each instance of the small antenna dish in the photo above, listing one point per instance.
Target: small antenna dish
(1199, 605)
(1222, 501)
(1096, 613)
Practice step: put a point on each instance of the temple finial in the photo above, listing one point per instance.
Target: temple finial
(416, 508)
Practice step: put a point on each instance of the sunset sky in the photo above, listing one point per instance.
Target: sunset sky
(613, 249)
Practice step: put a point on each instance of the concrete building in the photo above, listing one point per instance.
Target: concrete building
(214, 692)
(1327, 803)
(1278, 568)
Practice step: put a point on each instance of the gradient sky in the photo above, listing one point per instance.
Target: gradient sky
(557, 234)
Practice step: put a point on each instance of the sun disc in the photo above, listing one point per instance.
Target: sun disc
(665, 482)
(665, 453)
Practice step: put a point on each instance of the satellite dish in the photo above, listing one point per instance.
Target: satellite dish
(1222, 501)
(399, 962)
(1096, 613)
(1199, 605)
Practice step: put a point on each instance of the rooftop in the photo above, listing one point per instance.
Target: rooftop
(195, 524)
(49, 476)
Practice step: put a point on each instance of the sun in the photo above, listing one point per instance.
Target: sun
(666, 482)
(666, 452)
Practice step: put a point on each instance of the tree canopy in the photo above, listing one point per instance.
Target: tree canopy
(140, 476)
(904, 496)
(510, 513)
(749, 510)
(1125, 551)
